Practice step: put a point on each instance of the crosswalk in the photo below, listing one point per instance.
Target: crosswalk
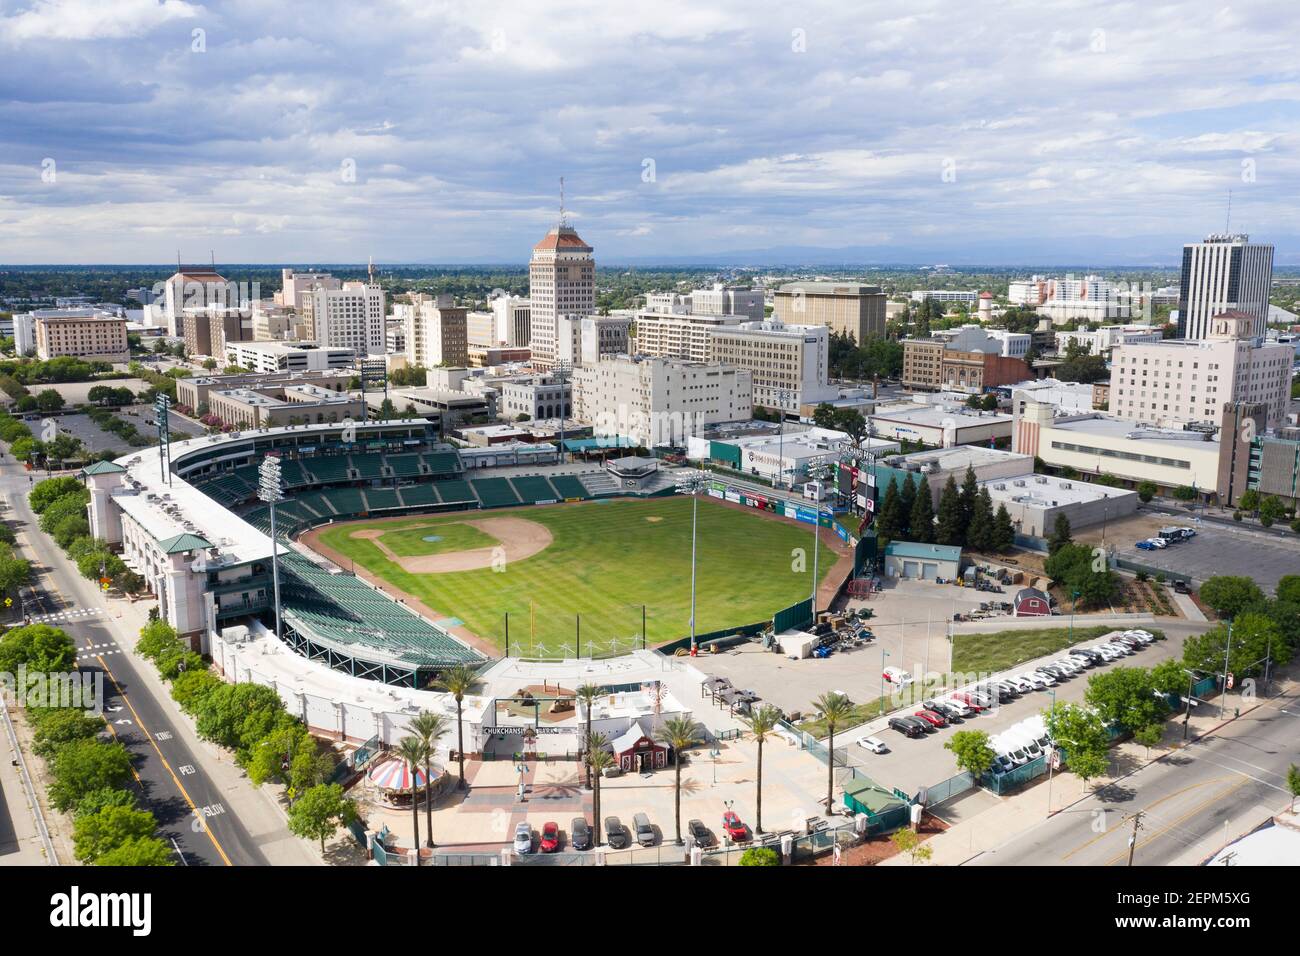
(92, 651)
(67, 616)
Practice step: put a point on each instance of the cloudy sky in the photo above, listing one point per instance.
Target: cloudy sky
(960, 132)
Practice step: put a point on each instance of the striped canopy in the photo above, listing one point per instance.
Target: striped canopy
(396, 775)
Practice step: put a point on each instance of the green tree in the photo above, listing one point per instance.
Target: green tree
(60, 726)
(921, 520)
(1254, 636)
(1229, 594)
(979, 533)
(1004, 532)
(1061, 535)
(599, 759)
(1126, 697)
(1150, 736)
(909, 842)
(679, 733)
(762, 724)
(760, 856)
(890, 522)
(457, 681)
(971, 752)
(48, 400)
(1293, 784)
(143, 851)
(907, 499)
(413, 751)
(1271, 510)
(834, 710)
(1185, 493)
(40, 647)
(98, 800)
(970, 491)
(586, 694)
(1249, 500)
(428, 727)
(95, 834)
(951, 528)
(82, 766)
(46, 492)
(320, 811)
(1288, 588)
(1082, 736)
(1146, 491)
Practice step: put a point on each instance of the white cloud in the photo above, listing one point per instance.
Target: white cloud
(93, 19)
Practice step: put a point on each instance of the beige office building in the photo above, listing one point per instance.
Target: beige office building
(561, 281)
(844, 307)
(788, 363)
(657, 401)
(84, 334)
(678, 335)
(436, 333)
(1192, 380)
(348, 318)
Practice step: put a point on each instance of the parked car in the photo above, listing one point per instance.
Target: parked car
(896, 675)
(733, 828)
(1003, 763)
(1021, 683)
(1037, 680)
(523, 837)
(1090, 657)
(579, 834)
(948, 711)
(933, 718)
(907, 727)
(550, 837)
(1121, 648)
(616, 834)
(1146, 545)
(645, 833)
(1140, 634)
(1159, 543)
(699, 834)
(970, 700)
(956, 708)
(874, 744)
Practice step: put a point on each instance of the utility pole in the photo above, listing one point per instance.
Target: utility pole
(1133, 839)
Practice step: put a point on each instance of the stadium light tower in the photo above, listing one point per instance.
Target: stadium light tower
(270, 489)
(692, 485)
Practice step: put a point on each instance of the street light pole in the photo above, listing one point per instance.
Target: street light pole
(691, 485)
(883, 654)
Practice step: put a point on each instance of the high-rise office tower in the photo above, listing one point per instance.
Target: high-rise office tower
(561, 281)
(1224, 273)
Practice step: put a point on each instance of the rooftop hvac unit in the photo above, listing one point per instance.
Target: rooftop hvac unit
(1020, 483)
(1042, 480)
(1001, 486)
(1066, 484)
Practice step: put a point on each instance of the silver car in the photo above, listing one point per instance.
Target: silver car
(523, 837)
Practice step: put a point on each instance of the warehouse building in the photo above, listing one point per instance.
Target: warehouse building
(1036, 501)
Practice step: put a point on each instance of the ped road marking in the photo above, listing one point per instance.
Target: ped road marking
(175, 779)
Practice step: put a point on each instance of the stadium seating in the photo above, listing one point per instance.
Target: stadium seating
(567, 486)
(414, 496)
(534, 488)
(342, 610)
(494, 492)
(601, 484)
(293, 474)
(369, 466)
(346, 501)
(455, 491)
(329, 469)
(317, 503)
(379, 499)
(442, 462)
(404, 466)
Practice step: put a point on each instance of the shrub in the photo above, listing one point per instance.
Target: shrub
(760, 856)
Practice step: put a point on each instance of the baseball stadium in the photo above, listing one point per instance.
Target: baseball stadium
(396, 559)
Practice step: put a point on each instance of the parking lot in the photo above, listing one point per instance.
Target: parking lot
(1214, 550)
(912, 763)
(910, 624)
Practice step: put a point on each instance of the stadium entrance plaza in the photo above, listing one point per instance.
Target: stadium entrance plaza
(910, 624)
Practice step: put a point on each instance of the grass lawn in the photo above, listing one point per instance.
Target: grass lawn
(408, 540)
(998, 650)
(606, 560)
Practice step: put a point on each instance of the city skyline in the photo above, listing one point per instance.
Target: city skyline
(729, 134)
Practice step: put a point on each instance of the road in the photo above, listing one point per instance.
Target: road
(1191, 802)
(192, 813)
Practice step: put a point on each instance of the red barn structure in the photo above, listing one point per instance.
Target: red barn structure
(637, 751)
(1031, 602)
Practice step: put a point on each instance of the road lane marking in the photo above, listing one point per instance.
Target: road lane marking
(1176, 793)
(175, 779)
(1179, 820)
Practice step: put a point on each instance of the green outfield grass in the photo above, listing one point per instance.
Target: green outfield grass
(606, 560)
(407, 538)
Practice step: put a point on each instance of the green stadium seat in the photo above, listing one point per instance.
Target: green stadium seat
(495, 492)
(380, 499)
(329, 469)
(534, 488)
(404, 466)
(414, 496)
(567, 486)
(369, 466)
(454, 492)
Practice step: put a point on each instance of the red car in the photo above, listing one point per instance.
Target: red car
(732, 826)
(550, 837)
(932, 718)
(969, 701)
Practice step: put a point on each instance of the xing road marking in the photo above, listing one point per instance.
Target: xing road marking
(175, 779)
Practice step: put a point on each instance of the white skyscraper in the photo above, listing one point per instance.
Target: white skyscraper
(1224, 273)
(348, 318)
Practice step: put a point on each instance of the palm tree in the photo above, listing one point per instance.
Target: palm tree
(588, 693)
(457, 681)
(761, 724)
(427, 727)
(834, 709)
(678, 733)
(413, 751)
(599, 760)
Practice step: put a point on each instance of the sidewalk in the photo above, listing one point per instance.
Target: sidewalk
(1013, 815)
